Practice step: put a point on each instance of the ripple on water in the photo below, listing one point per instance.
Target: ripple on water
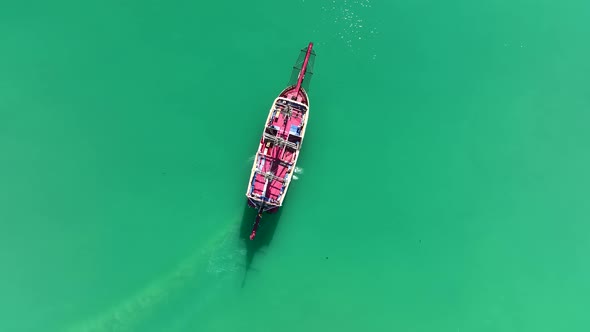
(352, 23)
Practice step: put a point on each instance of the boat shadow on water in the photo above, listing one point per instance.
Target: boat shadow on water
(264, 234)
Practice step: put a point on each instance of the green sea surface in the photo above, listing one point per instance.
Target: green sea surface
(444, 179)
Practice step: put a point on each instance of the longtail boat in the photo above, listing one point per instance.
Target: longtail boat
(280, 144)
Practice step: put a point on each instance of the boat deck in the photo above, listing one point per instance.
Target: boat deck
(277, 153)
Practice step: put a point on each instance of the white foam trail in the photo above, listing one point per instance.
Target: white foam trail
(225, 258)
(295, 178)
(214, 257)
(298, 170)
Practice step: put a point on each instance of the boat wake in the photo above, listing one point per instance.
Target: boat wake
(297, 171)
(226, 256)
(220, 255)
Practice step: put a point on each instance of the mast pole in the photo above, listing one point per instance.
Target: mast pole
(303, 68)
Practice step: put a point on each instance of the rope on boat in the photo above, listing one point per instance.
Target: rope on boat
(280, 141)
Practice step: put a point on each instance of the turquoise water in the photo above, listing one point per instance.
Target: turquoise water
(444, 182)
